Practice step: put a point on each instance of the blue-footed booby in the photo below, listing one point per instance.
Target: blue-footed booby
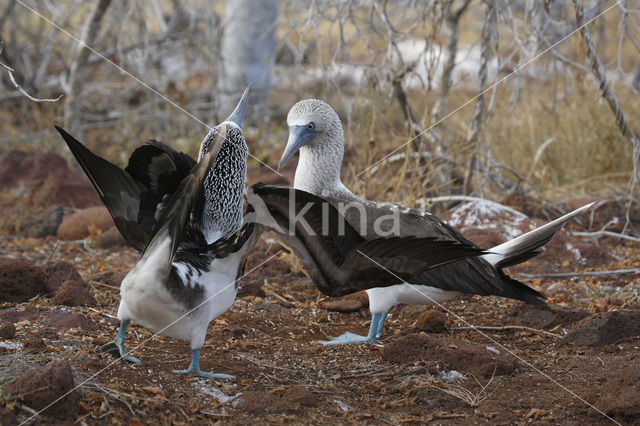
(187, 217)
(316, 131)
(335, 253)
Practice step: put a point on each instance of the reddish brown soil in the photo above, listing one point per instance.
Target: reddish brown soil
(269, 342)
(514, 372)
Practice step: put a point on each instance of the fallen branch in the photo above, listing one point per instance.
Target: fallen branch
(598, 234)
(584, 274)
(507, 327)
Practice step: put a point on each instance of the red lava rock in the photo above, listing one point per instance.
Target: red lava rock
(432, 321)
(620, 396)
(301, 396)
(74, 293)
(79, 225)
(348, 303)
(32, 343)
(41, 386)
(546, 315)
(7, 330)
(20, 280)
(7, 418)
(48, 333)
(452, 354)
(360, 296)
(109, 238)
(23, 167)
(603, 328)
(68, 320)
(341, 304)
(47, 178)
(58, 272)
(607, 210)
(256, 402)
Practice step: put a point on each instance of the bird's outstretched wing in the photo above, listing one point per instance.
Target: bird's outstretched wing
(337, 257)
(133, 196)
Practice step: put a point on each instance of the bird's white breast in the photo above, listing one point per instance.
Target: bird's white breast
(147, 301)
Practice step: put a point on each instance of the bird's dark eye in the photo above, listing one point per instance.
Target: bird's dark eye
(311, 126)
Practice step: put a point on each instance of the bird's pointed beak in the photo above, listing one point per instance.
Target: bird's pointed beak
(238, 113)
(299, 136)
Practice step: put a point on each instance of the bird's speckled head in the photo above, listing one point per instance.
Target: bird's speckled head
(234, 126)
(225, 179)
(315, 125)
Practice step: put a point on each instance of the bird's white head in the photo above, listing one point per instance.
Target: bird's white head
(316, 131)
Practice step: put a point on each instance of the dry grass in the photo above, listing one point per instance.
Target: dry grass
(572, 135)
(472, 397)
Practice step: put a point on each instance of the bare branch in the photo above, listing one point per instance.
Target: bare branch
(20, 89)
(598, 71)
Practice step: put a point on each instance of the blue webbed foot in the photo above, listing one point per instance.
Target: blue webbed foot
(130, 358)
(375, 331)
(120, 344)
(198, 372)
(194, 369)
(345, 339)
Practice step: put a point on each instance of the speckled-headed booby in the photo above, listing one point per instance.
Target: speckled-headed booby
(316, 131)
(187, 216)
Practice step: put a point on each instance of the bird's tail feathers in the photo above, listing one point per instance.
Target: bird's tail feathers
(525, 246)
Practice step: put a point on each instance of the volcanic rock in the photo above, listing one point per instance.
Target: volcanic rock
(20, 280)
(81, 224)
(42, 386)
(74, 293)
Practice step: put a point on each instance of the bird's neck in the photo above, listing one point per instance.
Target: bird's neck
(319, 164)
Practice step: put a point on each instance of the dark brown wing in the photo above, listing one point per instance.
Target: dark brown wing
(332, 250)
(119, 192)
(134, 196)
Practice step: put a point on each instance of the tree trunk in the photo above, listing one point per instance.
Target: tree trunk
(248, 44)
(79, 60)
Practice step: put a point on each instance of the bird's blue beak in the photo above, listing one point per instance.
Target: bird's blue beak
(299, 136)
(238, 113)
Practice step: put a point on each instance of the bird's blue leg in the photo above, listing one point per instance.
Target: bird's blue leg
(194, 369)
(351, 338)
(120, 343)
(383, 316)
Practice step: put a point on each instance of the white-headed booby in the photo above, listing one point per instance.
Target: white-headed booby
(187, 216)
(316, 131)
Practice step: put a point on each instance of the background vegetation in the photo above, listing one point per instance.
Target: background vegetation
(503, 96)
